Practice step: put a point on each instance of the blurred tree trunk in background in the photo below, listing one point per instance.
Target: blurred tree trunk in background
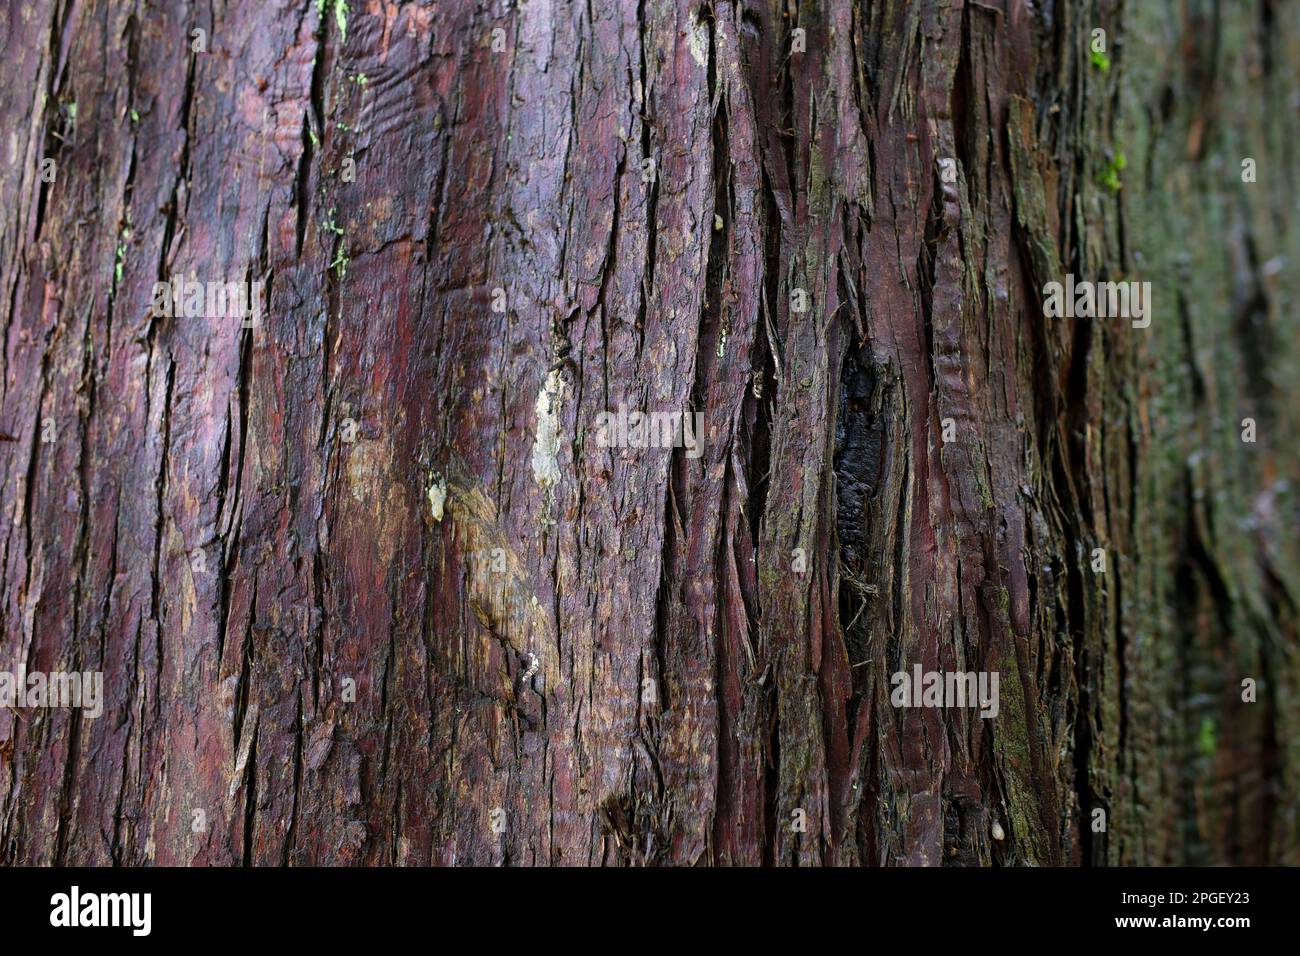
(365, 587)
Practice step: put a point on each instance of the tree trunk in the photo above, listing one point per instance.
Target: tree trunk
(367, 583)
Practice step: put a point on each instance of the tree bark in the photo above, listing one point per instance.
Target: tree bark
(365, 587)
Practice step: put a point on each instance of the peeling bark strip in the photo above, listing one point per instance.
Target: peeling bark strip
(364, 587)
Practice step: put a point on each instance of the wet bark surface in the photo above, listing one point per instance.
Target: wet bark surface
(362, 584)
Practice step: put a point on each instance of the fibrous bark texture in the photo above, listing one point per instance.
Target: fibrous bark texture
(363, 585)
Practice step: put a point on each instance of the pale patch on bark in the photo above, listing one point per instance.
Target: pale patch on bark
(437, 498)
(504, 601)
(697, 40)
(546, 467)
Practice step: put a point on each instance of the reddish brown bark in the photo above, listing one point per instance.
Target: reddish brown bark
(571, 654)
